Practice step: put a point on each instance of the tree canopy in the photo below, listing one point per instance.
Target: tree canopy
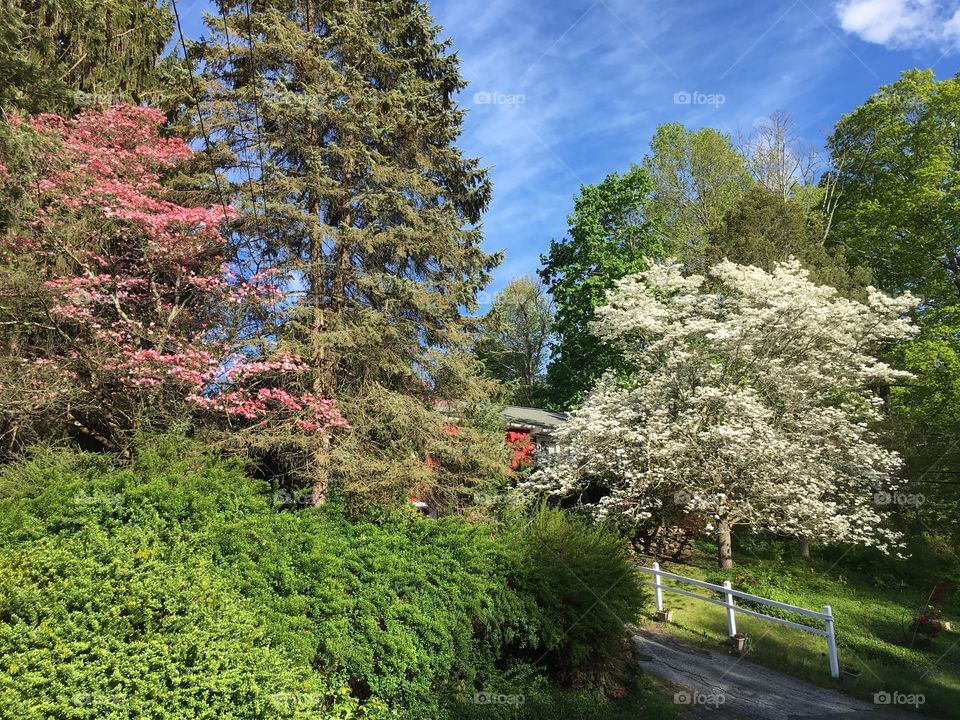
(62, 55)
(765, 228)
(896, 160)
(514, 339)
(895, 163)
(696, 176)
(116, 300)
(338, 129)
(609, 236)
(750, 401)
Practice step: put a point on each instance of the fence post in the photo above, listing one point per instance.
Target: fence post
(657, 592)
(831, 642)
(731, 619)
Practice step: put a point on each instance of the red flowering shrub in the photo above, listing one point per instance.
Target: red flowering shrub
(119, 298)
(523, 449)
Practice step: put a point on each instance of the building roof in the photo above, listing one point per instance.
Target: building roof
(534, 417)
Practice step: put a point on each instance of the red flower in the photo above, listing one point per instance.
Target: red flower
(524, 449)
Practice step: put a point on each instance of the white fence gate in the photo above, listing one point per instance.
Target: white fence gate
(729, 594)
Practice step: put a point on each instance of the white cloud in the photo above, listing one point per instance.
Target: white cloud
(901, 24)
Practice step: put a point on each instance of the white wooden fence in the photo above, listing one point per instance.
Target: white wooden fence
(729, 594)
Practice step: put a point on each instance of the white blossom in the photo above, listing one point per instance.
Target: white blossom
(750, 403)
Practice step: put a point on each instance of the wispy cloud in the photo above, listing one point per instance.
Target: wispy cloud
(563, 92)
(901, 24)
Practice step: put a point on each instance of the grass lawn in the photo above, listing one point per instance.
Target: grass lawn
(873, 617)
(641, 696)
(648, 697)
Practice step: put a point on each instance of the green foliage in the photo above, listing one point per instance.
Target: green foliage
(587, 586)
(58, 55)
(513, 344)
(19, 146)
(764, 229)
(896, 162)
(112, 599)
(924, 422)
(609, 237)
(696, 177)
(172, 588)
(358, 197)
(642, 698)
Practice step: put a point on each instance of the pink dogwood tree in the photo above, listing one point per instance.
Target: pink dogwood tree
(118, 302)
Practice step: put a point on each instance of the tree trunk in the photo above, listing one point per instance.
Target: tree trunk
(724, 546)
(319, 487)
(320, 359)
(804, 546)
(320, 473)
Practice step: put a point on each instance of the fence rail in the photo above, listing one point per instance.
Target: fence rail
(728, 593)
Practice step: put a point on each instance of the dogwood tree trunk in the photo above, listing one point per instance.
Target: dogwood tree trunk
(804, 546)
(724, 545)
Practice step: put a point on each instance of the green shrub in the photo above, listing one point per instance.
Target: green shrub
(172, 589)
(587, 590)
(112, 603)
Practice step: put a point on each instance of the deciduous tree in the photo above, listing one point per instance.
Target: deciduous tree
(514, 340)
(750, 403)
(778, 159)
(696, 177)
(896, 184)
(117, 307)
(897, 167)
(609, 237)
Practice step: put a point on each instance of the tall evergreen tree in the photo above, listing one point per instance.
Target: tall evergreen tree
(336, 121)
(58, 55)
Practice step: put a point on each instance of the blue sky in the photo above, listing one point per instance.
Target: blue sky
(563, 92)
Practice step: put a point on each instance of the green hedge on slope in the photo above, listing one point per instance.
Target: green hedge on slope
(173, 589)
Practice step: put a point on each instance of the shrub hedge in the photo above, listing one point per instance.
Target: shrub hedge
(172, 588)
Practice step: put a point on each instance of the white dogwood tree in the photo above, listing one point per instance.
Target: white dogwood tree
(750, 403)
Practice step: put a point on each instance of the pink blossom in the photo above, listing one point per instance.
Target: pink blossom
(137, 297)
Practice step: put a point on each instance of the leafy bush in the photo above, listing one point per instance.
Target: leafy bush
(587, 589)
(172, 589)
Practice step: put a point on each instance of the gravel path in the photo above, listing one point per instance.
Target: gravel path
(716, 685)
